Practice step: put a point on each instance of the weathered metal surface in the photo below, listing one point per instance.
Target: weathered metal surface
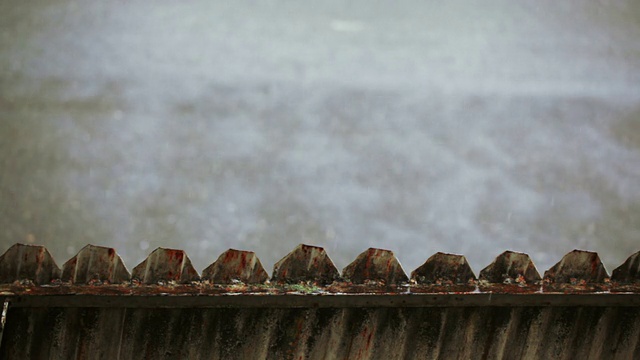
(28, 262)
(577, 266)
(309, 312)
(165, 265)
(512, 268)
(308, 264)
(323, 333)
(444, 268)
(629, 271)
(305, 263)
(94, 265)
(377, 265)
(236, 265)
(63, 333)
(291, 299)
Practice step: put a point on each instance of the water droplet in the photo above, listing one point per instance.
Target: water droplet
(346, 26)
(330, 233)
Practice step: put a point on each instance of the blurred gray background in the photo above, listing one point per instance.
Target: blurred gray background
(203, 125)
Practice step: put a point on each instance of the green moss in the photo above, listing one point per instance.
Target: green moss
(303, 288)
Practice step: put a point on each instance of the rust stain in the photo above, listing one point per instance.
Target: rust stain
(304, 329)
(175, 255)
(595, 264)
(578, 271)
(200, 288)
(229, 256)
(243, 262)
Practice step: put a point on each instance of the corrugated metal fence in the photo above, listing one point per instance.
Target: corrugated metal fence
(93, 308)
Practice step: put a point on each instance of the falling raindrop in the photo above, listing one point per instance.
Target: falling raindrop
(144, 245)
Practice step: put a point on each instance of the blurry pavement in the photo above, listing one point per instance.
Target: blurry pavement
(260, 125)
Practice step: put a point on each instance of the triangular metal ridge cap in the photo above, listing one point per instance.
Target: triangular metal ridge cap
(305, 264)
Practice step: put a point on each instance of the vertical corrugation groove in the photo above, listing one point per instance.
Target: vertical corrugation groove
(402, 327)
(3, 320)
(596, 350)
(536, 341)
(631, 326)
(121, 331)
(452, 336)
(508, 334)
(410, 346)
(584, 331)
(442, 332)
(636, 354)
(466, 327)
(330, 339)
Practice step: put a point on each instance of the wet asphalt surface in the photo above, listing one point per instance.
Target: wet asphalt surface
(260, 125)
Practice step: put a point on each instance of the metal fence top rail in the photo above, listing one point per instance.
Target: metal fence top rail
(306, 277)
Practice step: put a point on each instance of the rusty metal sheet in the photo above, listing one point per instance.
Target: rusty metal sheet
(165, 265)
(63, 333)
(444, 268)
(324, 333)
(310, 264)
(305, 263)
(28, 262)
(577, 266)
(95, 264)
(309, 312)
(512, 268)
(377, 265)
(295, 299)
(629, 271)
(236, 265)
